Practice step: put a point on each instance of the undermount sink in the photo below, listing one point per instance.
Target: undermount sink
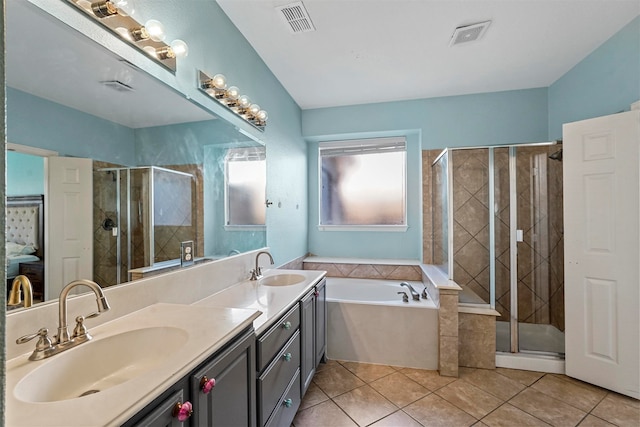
(100, 364)
(282, 280)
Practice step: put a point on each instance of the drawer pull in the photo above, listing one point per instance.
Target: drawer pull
(286, 325)
(182, 411)
(288, 403)
(317, 294)
(286, 357)
(206, 384)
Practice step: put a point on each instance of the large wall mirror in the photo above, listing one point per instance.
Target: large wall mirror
(111, 169)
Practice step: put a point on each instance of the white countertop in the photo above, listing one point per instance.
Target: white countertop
(272, 301)
(211, 323)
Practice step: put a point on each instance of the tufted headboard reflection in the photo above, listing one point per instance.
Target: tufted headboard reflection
(25, 221)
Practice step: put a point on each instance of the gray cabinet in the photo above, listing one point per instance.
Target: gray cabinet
(231, 402)
(308, 344)
(321, 321)
(313, 330)
(278, 363)
(162, 415)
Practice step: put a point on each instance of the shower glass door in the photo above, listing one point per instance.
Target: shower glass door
(540, 290)
(528, 249)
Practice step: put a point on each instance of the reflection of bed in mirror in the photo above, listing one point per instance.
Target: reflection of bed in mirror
(25, 241)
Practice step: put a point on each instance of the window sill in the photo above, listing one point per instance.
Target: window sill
(245, 227)
(375, 228)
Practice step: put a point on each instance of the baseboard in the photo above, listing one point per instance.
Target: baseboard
(527, 362)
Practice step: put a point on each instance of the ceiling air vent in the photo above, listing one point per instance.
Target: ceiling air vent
(296, 17)
(117, 85)
(469, 33)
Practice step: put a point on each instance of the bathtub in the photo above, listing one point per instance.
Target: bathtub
(368, 322)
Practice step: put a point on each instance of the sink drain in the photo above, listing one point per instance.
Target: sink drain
(88, 392)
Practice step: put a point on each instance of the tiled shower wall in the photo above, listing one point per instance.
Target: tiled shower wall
(167, 238)
(540, 275)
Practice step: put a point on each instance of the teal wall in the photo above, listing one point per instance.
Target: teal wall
(605, 82)
(216, 46)
(457, 121)
(25, 174)
(40, 123)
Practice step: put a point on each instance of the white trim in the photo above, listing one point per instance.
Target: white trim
(377, 228)
(24, 149)
(245, 227)
(530, 363)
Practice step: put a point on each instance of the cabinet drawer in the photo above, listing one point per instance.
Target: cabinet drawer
(275, 379)
(287, 405)
(272, 341)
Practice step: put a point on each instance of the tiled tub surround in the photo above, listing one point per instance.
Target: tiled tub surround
(357, 268)
(367, 321)
(443, 292)
(197, 284)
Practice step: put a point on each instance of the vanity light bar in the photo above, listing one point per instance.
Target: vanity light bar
(117, 16)
(229, 96)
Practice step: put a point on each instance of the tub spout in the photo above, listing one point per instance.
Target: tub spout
(415, 295)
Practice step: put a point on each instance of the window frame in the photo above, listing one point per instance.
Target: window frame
(364, 145)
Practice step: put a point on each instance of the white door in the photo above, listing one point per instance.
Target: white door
(602, 251)
(68, 222)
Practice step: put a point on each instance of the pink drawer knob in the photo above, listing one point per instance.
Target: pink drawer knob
(206, 384)
(183, 411)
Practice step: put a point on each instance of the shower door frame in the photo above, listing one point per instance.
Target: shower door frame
(513, 235)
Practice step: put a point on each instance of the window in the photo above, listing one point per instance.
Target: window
(245, 187)
(363, 184)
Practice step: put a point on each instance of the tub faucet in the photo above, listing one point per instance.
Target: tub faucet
(415, 295)
(21, 284)
(257, 272)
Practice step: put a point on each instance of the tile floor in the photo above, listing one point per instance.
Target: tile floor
(357, 394)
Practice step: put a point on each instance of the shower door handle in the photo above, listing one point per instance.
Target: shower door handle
(519, 236)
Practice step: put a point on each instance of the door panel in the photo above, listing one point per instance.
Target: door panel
(602, 251)
(68, 222)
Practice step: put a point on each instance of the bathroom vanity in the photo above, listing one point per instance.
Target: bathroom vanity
(239, 355)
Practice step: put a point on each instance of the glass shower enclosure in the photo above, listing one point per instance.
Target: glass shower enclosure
(497, 218)
(141, 215)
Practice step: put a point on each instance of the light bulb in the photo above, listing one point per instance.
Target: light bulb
(180, 48)
(244, 101)
(155, 30)
(254, 108)
(232, 93)
(262, 116)
(151, 51)
(219, 81)
(124, 33)
(126, 7)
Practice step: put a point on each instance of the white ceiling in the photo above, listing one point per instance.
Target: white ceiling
(366, 51)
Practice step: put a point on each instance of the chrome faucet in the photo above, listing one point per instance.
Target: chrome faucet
(45, 347)
(21, 284)
(257, 272)
(415, 295)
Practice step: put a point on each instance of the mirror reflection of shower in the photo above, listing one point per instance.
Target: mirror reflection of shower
(141, 215)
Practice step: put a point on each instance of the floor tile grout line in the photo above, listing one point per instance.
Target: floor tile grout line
(568, 403)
